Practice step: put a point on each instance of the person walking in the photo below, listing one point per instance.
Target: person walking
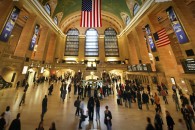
(108, 118)
(82, 104)
(16, 125)
(158, 122)
(174, 88)
(90, 107)
(23, 98)
(176, 100)
(97, 102)
(157, 102)
(164, 87)
(7, 116)
(26, 86)
(82, 118)
(145, 99)
(170, 122)
(77, 105)
(149, 126)
(164, 95)
(44, 107)
(50, 89)
(69, 89)
(62, 89)
(63, 92)
(148, 89)
(2, 121)
(17, 84)
(129, 96)
(139, 100)
(186, 116)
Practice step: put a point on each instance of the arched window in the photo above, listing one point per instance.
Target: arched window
(111, 43)
(48, 9)
(91, 43)
(72, 43)
(127, 21)
(136, 8)
(55, 19)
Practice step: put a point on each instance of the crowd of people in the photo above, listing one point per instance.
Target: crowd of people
(131, 92)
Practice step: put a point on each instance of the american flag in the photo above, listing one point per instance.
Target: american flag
(161, 38)
(91, 13)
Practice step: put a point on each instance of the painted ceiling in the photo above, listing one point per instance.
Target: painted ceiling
(112, 6)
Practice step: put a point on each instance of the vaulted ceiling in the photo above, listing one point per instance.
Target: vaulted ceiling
(67, 7)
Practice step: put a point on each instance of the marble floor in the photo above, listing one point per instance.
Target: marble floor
(63, 114)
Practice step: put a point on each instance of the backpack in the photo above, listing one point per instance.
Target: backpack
(75, 103)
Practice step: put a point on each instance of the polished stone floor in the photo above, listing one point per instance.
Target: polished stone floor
(63, 113)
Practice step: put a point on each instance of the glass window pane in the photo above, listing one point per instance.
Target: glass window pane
(47, 9)
(91, 43)
(136, 9)
(111, 43)
(55, 20)
(72, 43)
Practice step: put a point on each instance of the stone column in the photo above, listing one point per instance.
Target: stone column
(51, 49)
(41, 44)
(132, 50)
(101, 49)
(142, 45)
(81, 55)
(123, 47)
(25, 37)
(60, 47)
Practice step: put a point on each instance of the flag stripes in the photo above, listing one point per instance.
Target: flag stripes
(91, 13)
(161, 38)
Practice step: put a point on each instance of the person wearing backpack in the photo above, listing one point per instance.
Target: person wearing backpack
(77, 105)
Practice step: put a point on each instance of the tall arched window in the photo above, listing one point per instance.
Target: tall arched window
(111, 43)
(72, 43)
(55, 19)
(127, 20)
(48, 8)
(136, 8)
(91, 43)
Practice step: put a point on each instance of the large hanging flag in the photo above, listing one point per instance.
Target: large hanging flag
(91, 13)
(161, 38)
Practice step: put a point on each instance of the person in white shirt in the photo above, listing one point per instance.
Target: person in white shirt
(82, 104)
(7, 116)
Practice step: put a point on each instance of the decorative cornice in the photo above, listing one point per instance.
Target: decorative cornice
(143, 9)
(38, 7)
